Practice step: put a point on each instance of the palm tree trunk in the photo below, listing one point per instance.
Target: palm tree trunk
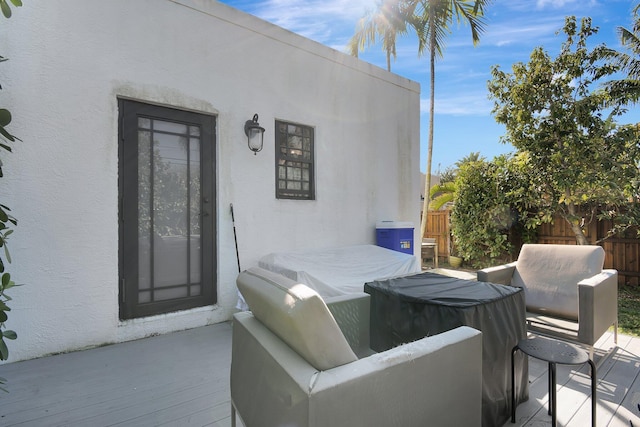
(432, 84)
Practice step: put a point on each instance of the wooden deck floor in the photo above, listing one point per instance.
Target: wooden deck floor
(182, 379)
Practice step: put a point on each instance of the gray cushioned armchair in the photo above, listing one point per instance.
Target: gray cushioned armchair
(568, 294)
(292, 365)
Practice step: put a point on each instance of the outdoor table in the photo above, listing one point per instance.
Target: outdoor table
(430, 244)
(554, 351)
(411, 307)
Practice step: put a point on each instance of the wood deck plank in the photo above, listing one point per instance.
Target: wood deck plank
(573, 385)
(182, 379)
(127, 380)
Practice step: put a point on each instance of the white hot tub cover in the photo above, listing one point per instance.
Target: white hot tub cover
(340, 270)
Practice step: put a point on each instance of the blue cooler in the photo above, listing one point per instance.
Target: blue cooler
(395, 235)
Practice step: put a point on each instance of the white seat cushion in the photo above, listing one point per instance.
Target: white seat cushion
(297, 315)
(550, 274)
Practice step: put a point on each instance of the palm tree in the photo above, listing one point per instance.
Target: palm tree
(474, 156)
(386, 22)
(432, 20)
(442, 194)
(627, 90)
(445, 192)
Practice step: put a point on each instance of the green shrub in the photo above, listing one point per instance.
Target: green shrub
(491, 210)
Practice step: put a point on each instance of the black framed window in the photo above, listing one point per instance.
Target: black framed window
(167, 207)
(294, 161)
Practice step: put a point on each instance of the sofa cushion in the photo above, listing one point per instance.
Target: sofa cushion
(297, 315)
(550, 274)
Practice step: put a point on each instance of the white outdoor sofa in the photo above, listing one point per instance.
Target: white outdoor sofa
(297, 361)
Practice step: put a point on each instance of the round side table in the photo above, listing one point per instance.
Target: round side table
(553, 351)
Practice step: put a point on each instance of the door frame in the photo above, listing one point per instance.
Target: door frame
(129, 111)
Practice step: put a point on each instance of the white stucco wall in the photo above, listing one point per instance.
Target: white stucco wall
(71, 59)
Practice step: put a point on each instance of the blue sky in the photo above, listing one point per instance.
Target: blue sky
(463, 120)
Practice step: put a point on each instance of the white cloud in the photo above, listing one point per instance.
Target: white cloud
(469, 104)
(509, 33)
(557, 4)
(314, 19)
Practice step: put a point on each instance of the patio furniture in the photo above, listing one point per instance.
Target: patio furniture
(300, 362)
(340, 270)
(406, 309)
(554, 352)
(430, 250)
(568, 293)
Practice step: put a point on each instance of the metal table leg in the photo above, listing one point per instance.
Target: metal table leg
(594, 402)
(513, 386)
(552, 395)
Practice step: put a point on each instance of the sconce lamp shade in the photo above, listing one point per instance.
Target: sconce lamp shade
(255, 134)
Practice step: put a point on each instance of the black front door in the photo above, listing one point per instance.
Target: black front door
(167, 209)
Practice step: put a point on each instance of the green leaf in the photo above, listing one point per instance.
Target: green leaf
(4, 350)
(3, 317)
(5, 117)
(6, 279)
(6, 254)
(17, 3)
(6, 11)
(10, 335)
(6, 134)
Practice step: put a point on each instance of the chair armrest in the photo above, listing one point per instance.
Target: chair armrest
(500, 274)
(352, 316)
(597, 305)
(412, 384)
(263, 365)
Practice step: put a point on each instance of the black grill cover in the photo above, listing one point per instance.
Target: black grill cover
(409, 308)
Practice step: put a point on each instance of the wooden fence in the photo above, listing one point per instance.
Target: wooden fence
(621, 253)
(438, 228)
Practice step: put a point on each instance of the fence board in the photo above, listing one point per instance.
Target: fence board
(621, 252)
(438, 228)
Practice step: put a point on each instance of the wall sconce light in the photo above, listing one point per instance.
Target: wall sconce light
(255, 134)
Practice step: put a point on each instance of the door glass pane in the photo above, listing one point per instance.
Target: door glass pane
(144, 123)
(197, 205)
(171, 293)
(169, 206)
(170, 210)
(144, 210)
(195, 290)
(144, 296)
(163, 126)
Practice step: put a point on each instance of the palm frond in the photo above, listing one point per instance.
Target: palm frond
(441, 194)
(385, 23)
